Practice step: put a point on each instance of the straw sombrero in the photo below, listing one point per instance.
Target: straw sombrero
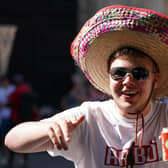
(115, 27)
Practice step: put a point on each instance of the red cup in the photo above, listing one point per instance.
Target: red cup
(164, 139)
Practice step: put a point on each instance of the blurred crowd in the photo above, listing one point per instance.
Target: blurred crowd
(17, 104)
(81, 91)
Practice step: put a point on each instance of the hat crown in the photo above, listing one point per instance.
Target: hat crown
(114, 18)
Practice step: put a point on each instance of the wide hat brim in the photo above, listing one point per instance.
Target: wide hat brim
(92, 54)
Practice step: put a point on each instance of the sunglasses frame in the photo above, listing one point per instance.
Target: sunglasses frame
(143, 73)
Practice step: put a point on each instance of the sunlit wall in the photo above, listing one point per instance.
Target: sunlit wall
(86, 8)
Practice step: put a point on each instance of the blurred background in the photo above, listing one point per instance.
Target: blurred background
(35, 39)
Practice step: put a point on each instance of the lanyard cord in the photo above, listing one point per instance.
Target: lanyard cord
(130, 157)
(142, 130)
(142, 117)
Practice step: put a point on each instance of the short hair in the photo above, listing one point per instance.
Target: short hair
(129, 51)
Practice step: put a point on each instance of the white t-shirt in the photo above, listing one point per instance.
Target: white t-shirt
(104, 138)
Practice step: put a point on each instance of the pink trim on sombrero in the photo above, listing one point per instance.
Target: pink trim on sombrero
(113, 7)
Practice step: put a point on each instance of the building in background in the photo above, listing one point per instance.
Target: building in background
(165, 7)
(7, 39)
(86, 8)
(41, 48)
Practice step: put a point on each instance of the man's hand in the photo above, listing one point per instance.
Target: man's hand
(59, 131)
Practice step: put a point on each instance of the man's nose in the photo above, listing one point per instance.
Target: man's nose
(128, 78)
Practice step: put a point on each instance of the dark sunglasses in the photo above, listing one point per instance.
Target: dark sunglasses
(139, 73)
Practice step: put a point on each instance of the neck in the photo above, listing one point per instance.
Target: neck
(133, 115)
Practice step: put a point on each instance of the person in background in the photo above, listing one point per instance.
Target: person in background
(23, 105)
(94, 94)
(22, 101)
(77, 93)
(123, 51)
(81, 91)
(6, 88)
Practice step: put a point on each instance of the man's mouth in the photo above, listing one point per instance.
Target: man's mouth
(129, 93)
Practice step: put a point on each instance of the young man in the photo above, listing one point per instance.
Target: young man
(123, 52)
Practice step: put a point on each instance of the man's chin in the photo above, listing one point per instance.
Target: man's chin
(130, 109)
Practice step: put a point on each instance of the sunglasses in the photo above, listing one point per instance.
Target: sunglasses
(139, 73)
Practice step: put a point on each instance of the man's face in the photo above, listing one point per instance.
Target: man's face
(130, 94)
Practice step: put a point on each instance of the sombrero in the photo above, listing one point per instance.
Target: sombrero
(114, 27)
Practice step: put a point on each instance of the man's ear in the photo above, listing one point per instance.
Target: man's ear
(157, 76)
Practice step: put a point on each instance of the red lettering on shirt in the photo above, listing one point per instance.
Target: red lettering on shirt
(145, 154)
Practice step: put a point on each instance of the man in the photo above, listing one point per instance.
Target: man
(123, 52)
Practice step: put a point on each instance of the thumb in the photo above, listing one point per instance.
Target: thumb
(77, 122)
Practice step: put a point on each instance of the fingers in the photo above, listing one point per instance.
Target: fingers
(59, 132)
(54, 138)
(65, 125)
(57, 137)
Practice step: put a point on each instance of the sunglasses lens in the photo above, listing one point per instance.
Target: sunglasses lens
(140, 73)
(118, 73)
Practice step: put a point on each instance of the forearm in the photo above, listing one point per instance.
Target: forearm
(42, 135)
(28, 137)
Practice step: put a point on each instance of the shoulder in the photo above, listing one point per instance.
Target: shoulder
(96, 108)
(96, 104)
(160, 106)
(86, 108)
(160, 103)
